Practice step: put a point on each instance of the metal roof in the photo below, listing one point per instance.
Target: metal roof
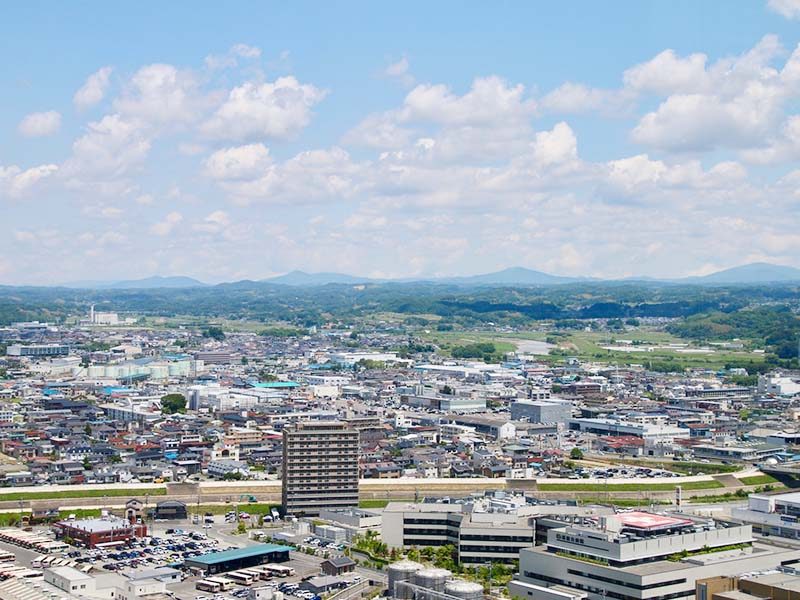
(214, 558)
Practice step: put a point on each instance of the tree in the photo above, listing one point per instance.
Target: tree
(173, 403)
(241, 527)
(215, 333)
(576, 454)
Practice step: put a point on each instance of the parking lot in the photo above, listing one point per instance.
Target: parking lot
(169, 544)
(621, 472)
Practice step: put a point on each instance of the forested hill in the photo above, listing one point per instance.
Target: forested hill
(309, 305)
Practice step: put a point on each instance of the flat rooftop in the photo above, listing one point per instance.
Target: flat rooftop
(214, 558)
(99, 524)
(651, 522)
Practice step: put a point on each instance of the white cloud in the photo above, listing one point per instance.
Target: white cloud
(492, 120)
(787, 8)
(400, 72)
(578, 98)
(556, 146)
(668, 73)
(256, 110)
(165, 227)
(40, 124)
(735, 103)
(489, 101)
(110, 148)
(306, 178)
(231, 58)
(379, 131)
(93, 90)
(640, 176)
(16, 182)
(215, 222)
(160, 94)
(238, 163)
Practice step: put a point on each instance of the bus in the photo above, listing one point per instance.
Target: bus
(256, 575)
(6, 556)
(224, 583)
(241, 578)
(208, 586)
(279, 570)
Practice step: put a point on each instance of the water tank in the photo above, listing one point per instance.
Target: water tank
(402, 571)
(466, 590)
(432, 579)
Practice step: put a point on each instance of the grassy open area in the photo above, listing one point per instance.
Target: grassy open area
(627, 487)
(588, 345)
(380, 503)
(80, 493)
(624, 502)
(758, 480)
(255, 508)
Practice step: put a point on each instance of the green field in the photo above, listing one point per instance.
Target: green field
(503, 342)
(758, 480)
(623, 502)
(627, 487)
(256, 508)
(380, 503)
(588, 345)
(79, 493)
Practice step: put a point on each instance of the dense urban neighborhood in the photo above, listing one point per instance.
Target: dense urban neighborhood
(164, 457)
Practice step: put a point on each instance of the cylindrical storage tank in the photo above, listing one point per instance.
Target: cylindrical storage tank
(432, 579)
(466, 590)
(402, 571)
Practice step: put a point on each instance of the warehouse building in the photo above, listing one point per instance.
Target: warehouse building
(239, 558)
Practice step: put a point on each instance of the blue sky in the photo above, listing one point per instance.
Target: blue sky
(241, 141)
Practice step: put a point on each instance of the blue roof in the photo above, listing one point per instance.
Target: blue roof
(213, 558)
(275, 384)
(115, 390)
(177, 356)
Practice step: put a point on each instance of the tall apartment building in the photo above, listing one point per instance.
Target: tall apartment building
(320, 467)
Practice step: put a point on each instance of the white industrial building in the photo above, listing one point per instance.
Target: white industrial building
(640, 555)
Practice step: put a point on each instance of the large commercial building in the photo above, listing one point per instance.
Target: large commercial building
(541, 411)
(320, 467)
(37, 350)
(651, 434)
(639, 556)
(772, 515)
(103, 531)
(492, 528)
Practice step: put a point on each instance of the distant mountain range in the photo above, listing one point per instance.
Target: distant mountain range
(138, 284)
(745, 274)
(752, 273)
(301, 278)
